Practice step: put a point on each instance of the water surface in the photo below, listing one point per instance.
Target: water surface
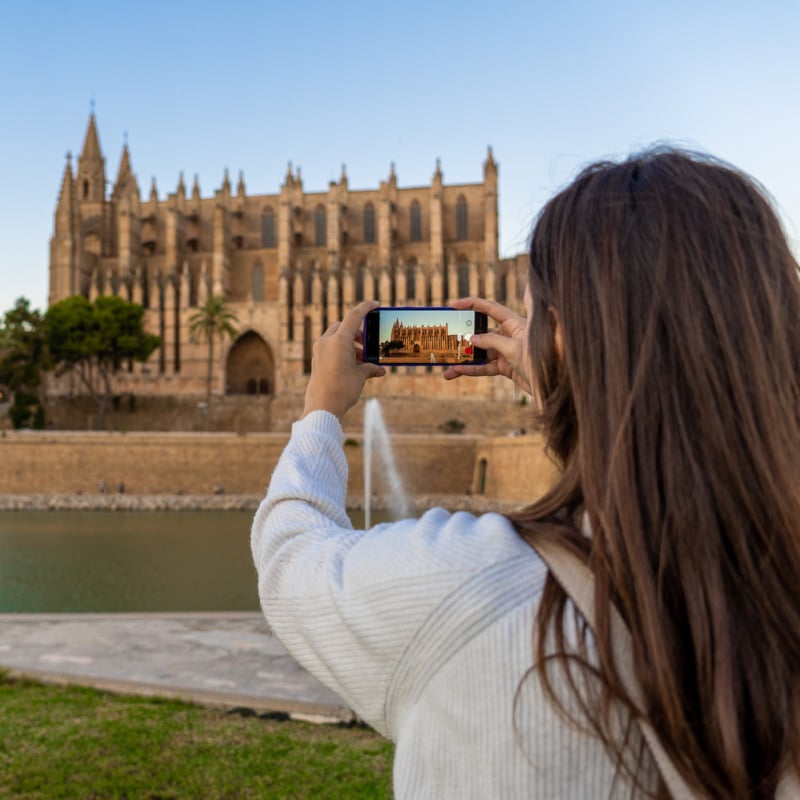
(111, 561)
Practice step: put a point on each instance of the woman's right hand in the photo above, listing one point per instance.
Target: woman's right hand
(506, 346)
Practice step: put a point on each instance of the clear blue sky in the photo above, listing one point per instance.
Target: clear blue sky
(202, 86)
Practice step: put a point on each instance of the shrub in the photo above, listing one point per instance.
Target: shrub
(453, 426)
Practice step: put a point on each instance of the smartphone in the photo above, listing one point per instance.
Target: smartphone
(423, 336)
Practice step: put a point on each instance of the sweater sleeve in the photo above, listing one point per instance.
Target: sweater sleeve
(347, 604)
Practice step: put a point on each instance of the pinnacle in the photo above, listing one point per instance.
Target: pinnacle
(91, 143)
(65, 195)
(124, 172)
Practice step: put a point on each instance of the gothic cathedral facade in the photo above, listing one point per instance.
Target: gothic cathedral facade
(288, 264)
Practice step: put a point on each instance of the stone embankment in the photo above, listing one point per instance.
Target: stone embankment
(131, 502)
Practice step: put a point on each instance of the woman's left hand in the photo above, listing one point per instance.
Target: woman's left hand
(338, 371)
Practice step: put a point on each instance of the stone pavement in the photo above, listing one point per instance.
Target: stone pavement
(228, 660)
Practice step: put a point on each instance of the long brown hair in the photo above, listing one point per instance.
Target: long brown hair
(675, 415)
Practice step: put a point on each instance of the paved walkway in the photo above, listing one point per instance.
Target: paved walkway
(228, 660)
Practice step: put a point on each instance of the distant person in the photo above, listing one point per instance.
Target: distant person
(661, 344)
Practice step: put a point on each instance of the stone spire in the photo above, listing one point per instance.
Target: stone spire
(181, 191)
(91, 167)
(65, 198)
(490, 165)
(66, 237)
(91, 143)
(124, 172)
(240, 184)
(125, 178)
(437, 176)
(196, 188)
(226, 182)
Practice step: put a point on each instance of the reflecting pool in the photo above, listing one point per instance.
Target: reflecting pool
(113, 561)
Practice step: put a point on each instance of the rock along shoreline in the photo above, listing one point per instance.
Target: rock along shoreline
(223, 502)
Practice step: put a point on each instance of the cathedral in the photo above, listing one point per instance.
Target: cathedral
(287, 263)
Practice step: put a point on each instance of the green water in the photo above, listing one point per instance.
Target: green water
(98, 561)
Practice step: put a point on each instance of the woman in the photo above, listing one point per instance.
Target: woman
(662, 346)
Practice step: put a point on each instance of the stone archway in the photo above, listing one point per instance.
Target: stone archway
(250, 368)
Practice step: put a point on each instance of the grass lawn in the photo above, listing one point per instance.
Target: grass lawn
(58, 742)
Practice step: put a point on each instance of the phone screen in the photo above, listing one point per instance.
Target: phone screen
(413, 336)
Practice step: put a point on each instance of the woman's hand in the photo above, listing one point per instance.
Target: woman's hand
(338, 371)
(506, 346)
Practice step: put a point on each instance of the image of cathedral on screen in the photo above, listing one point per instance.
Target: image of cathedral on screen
(288, 263)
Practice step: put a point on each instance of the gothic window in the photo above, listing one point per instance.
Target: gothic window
(268, 228)
(461, 218)
(411, 279)
(369, 224)
(192, 288)
(145, 288)
(320, 227)
(307, 345)
(463, 279)
(415, 234)
(360, 283)
(257, 283)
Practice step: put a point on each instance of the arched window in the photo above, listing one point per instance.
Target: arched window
(192, 288)
(268, 228)
(362, 268)
(320, 227)
(257, 283)
(461, 218)
(411, 279)
(415, 234)
(463, 279)
(369, 224)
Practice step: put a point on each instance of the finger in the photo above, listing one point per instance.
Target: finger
(505, 345)
(332, 328)
(354, 318)
(492, 308)
(471, 370)
(373, 370)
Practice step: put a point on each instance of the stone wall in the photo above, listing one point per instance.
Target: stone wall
(411, 404)
(512, 468)
(506, 469)
(196, 464)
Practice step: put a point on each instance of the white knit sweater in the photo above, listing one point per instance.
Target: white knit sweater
(424, 628)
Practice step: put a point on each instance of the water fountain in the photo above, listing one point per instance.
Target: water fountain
(376, 438)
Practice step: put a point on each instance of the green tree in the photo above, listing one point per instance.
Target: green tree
(95, 340)
(213, 321)
(24, 359)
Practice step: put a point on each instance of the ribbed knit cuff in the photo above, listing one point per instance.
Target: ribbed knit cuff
(320, 422)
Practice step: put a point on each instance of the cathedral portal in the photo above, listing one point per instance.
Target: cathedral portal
(250, 368)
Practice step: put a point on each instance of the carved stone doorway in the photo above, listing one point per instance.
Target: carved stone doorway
(251, 367)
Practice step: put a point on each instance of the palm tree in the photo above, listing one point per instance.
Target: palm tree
(214, 320)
